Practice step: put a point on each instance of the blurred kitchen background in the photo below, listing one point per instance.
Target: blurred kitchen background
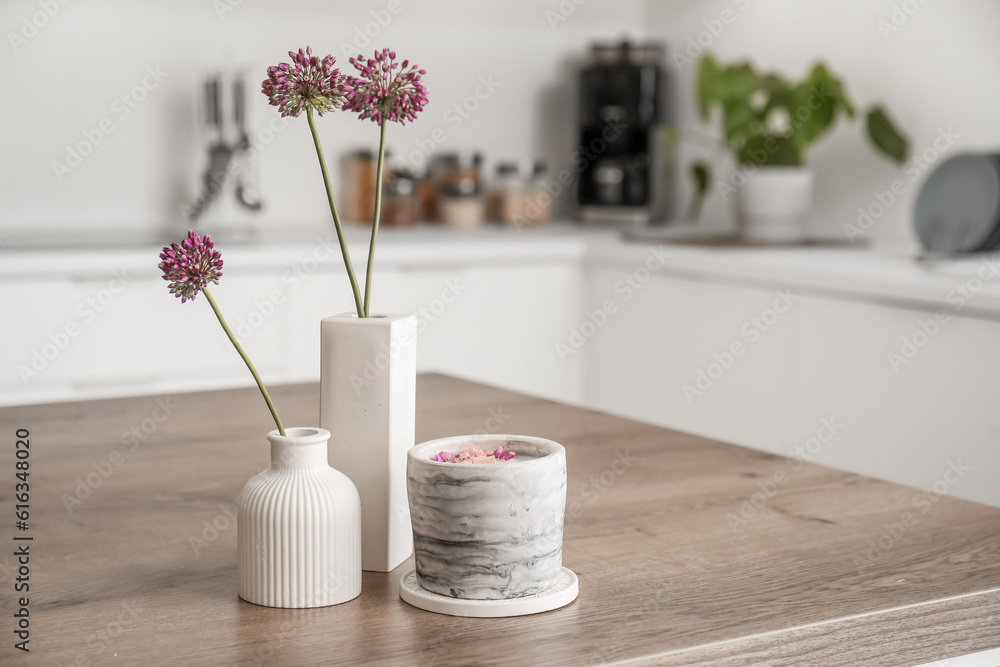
(856, 352)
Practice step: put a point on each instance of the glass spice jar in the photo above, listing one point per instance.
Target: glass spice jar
(400, 201)
(460, 191)
(518, 201)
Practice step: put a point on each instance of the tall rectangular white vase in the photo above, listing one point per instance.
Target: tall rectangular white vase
(368, 374)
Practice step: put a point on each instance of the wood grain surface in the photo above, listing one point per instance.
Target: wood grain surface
(822, 574)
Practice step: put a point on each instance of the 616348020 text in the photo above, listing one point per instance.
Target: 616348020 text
(22, 538)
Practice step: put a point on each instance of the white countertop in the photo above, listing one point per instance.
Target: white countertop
(969, 285)
(850, 273)
(425, 245)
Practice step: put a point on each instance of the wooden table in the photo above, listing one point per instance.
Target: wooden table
(142, 570)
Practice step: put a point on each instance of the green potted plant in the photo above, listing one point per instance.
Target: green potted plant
(768, 122)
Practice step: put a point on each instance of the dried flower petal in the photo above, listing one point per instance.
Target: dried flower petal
(474, 455)
(501, 455)
(386, 90)
(191, 265)
(307, 82)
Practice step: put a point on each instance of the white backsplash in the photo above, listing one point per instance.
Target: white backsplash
(932, 64)
(69, 76)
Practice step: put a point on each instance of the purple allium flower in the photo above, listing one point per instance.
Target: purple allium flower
(191, 266)
(307, 82)
(386, 90)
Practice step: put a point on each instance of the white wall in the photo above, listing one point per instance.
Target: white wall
(935, 72)
(938, 70)
(65, 79)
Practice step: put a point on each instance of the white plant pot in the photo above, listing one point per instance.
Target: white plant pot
(368, 372)
(488, 531)
(299, 527)
(774, 204)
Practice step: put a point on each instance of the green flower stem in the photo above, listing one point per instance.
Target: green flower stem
(236, 344)
(378, 211)
(336, 215)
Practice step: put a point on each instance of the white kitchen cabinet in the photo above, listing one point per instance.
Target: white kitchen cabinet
(913, 424)
(501, 326)
(108, 336)
(486, 322)
(819, 383)
(675, 330)
(551, 313)
(36, 354)
(491, 321)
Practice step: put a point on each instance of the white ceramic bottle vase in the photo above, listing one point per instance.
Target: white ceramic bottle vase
(299, 527)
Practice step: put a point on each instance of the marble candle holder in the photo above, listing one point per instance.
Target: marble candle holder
(488, 531)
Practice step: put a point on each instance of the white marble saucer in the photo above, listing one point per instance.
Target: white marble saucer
(564, 592)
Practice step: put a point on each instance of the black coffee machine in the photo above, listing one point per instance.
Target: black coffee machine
(625, 149)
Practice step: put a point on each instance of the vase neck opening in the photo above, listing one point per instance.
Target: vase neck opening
(300, 448)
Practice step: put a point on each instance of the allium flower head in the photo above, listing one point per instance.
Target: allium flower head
(386, 90)
(191, 265)
(307, 82)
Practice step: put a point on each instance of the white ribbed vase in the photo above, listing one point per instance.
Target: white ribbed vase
(299, 527)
